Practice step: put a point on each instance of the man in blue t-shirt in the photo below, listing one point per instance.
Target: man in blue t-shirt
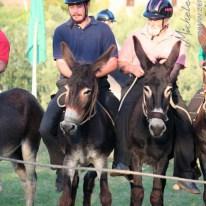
(88, 39)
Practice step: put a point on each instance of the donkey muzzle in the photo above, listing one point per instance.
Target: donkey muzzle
(68, 127)
(157, 127)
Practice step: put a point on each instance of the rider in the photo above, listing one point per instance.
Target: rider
(202, 60)
(88, 39)
(199, 97)
(4, 51)
(108, 18)
(157, 40)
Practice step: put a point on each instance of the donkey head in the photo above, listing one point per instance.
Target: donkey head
(157, 88)
(81, 90)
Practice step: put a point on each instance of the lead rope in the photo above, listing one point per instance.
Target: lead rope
(125, 95)
(175, 106)
(108, 114)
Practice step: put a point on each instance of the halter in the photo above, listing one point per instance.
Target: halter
(151, 114)
(91, 112)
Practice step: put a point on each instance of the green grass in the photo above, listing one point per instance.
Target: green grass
(46, 195)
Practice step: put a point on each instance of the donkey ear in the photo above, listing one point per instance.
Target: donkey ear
(173, 55)
(143, 59)
(67, 55)
(102, 60)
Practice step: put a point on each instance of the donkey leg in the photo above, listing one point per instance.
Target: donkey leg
(66, 197)
(89, 182)
(29, 153)
(75, 184)
(1, 187)
(202, 159)
(137, 190)
(157, 194)
(105, 194)
(21, 172)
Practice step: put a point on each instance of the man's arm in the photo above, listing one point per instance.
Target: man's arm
(110, 66)
(128, 68)
(63, 68)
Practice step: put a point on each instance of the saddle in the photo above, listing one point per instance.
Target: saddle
(195, 104)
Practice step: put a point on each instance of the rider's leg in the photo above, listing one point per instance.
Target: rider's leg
(48, 130)
(109, 101)
(184, 149)
(121, 151)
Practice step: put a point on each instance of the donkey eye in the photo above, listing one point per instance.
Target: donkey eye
(147, 91)
(86, 91)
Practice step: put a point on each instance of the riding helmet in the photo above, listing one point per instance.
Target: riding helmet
(158, 9)
(71, 2)
(105, 15)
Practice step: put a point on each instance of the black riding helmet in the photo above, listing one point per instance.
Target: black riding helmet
(158, 9)
(72, 2)
(105, 15)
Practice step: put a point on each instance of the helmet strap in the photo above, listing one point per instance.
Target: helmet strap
(163, 28)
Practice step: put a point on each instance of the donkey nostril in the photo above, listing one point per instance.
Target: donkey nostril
(157, 128)
(68, 127)
(72, 127)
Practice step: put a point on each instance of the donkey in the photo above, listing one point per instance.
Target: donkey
(87, 128)
(20, 117)
(151, 131)
(199, 125)
(197, 109)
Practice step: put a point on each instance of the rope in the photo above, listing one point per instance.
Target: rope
(175, 106)
(124, 172)
(107, 113)
(125, 95)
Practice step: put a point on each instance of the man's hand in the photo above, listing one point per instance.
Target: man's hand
(63, 68)
(131, 69)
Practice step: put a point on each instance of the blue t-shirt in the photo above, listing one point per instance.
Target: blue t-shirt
(86, 44)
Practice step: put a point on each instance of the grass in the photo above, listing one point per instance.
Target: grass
(13, 194)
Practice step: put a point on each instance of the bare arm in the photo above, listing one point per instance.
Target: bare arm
(63, 68)
(127, 68)
(3, 66)
(110, 66)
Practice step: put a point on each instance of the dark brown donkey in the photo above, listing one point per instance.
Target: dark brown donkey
(151, 136)
(197, 108)
(87, 129)
(199, 124)
(20, 117)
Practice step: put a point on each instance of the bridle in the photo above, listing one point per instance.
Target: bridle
(91, 111)
(153, 114)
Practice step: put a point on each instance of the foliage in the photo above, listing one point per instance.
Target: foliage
(14, 21)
